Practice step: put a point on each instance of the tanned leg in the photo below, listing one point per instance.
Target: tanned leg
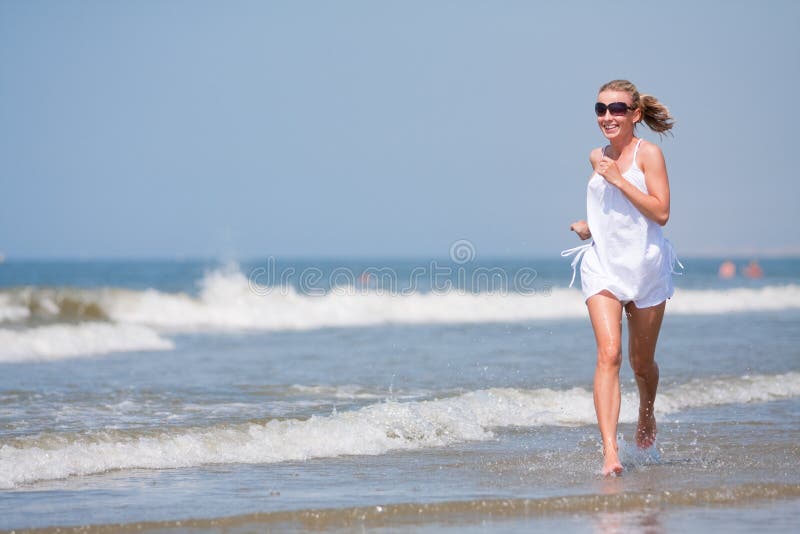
(605, 312)
(643, 327)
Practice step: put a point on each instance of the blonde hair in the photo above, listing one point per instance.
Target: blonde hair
(654, 113)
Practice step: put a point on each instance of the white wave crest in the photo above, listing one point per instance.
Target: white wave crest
(55, 342)
(713, 392)
(227, 302)
(372, 430)
(11, 311)
(740, 299)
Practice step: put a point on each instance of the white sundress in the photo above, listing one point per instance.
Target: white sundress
(629, 255)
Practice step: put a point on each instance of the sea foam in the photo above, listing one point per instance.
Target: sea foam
(227, 301)
(374, 429)
(58, 341)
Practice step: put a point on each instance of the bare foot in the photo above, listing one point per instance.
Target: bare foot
(646, 430)
(611, 465)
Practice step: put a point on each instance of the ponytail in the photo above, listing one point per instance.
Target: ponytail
(655, 114)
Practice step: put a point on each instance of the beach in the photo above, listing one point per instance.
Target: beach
(383, 395)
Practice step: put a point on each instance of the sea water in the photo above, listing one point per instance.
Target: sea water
(383, 394)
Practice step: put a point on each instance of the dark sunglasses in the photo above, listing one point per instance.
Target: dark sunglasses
(616, 108)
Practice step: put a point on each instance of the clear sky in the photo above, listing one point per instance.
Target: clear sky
(380, 128)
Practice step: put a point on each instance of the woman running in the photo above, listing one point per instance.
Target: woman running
(629, 264)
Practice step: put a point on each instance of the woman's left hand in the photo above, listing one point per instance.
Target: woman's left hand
(607, 168)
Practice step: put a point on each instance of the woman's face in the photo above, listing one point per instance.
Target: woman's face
(614, 126)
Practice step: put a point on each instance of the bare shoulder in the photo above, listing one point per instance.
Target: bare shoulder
(650, 154)
(594, 156)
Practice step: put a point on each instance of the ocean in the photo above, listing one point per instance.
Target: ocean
(384, 395)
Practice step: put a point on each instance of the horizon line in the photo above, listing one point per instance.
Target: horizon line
(736, 254)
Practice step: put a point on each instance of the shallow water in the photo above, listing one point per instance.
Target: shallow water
(224, 405)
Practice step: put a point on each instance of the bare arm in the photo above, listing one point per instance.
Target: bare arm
(655, 203)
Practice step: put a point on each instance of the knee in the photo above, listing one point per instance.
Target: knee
(643, 368)
(609, 356)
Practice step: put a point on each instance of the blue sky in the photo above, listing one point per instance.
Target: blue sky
(247, 129)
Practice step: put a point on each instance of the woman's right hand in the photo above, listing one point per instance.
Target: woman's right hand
(582, 229)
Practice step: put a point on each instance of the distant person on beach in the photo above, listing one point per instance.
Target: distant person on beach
(727, 270)
(753, 270)
(629, 264)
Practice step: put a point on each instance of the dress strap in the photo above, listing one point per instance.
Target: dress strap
(673, 259)
(579, 251)
(635, 152)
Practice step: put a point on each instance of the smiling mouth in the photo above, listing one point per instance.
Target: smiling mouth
(609, 127)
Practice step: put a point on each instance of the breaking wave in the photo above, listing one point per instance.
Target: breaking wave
(371, 430)
(47, 323)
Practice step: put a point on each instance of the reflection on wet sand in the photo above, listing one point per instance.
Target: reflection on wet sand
(612, 510)
(647, 519)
